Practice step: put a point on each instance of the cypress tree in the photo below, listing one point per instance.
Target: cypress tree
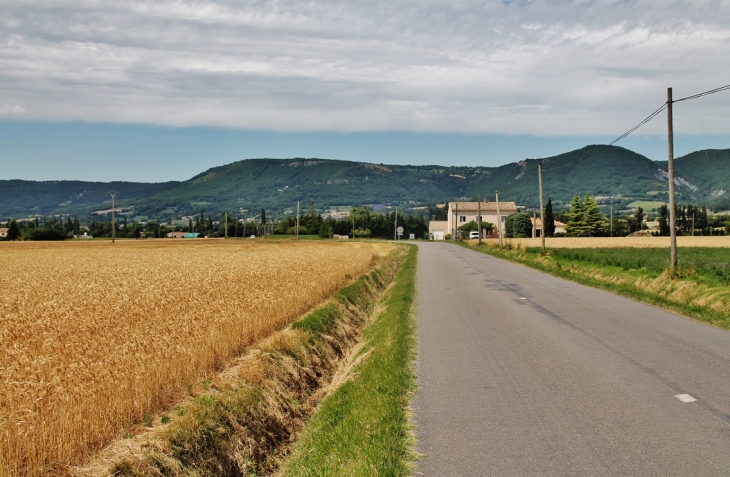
(664, 220)
(13, 230)
(639, 215)
(549, 226)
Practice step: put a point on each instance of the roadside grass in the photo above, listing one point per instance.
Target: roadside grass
(701, 264)
(700, 290)
(362, 428)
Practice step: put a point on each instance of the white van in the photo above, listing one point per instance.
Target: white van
(473, 235)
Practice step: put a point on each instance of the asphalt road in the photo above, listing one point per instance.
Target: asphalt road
(523, 374)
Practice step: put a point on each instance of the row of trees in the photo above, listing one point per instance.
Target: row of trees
(690, 220)
(586, 218)
(50, 229)
(362, 223)
(583, 218)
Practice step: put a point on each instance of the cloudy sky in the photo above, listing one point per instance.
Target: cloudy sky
(152, 91)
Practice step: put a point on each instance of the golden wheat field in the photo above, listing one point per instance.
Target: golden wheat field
(614, 242)
(95, 336)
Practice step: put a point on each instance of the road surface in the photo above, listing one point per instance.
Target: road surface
(523, 374)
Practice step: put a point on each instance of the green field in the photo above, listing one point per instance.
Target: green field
(699, 289)
(702, 264)
(647, 205)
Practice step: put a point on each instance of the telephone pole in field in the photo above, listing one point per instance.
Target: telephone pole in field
(395, 226)
(542, 208)
(114, 225)
(479, 218)
(670, 173)
(499, 219)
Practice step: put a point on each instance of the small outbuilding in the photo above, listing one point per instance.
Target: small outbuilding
(437, 229)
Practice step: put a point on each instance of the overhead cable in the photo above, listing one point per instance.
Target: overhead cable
(646, 120)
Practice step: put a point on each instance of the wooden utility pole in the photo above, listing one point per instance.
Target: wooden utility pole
(670, 173)
(499, 220)
(395, 227)
(297, 219)
(542, 208)
(226, 234)
(479, 218)
(456, 221)
(114, 226)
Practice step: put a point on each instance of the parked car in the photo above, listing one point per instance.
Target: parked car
(473, 234)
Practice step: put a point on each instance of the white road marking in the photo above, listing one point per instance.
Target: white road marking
(685, 398)
(523, 298)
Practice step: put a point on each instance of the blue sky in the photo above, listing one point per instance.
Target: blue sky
(154, 91)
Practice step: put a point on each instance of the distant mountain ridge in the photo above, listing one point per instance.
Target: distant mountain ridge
(614, 175)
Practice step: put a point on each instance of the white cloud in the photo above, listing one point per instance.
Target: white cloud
(6, 109)
(544, 67)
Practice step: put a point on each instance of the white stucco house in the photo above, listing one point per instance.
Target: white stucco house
(460, 213)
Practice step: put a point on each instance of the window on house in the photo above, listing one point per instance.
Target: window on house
(462, 219)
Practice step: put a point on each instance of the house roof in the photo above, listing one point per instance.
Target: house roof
(538, 222)
(485, 206)
(3, 230)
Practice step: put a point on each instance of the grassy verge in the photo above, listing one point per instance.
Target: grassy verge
(243, 421)
(362, 428)
(699, 291)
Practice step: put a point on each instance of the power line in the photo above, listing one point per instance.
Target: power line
(644, 121)
(699, 95)
(598, 151)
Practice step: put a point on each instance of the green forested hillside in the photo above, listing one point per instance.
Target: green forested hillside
(614, 175)
(20, 198)
(707, 177)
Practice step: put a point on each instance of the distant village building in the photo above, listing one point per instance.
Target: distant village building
(537, 227)
(460, 213)
(176, 235)
(3, 232)
(437, 229)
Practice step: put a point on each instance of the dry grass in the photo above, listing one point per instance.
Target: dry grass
(614, 242)
(96, 337)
